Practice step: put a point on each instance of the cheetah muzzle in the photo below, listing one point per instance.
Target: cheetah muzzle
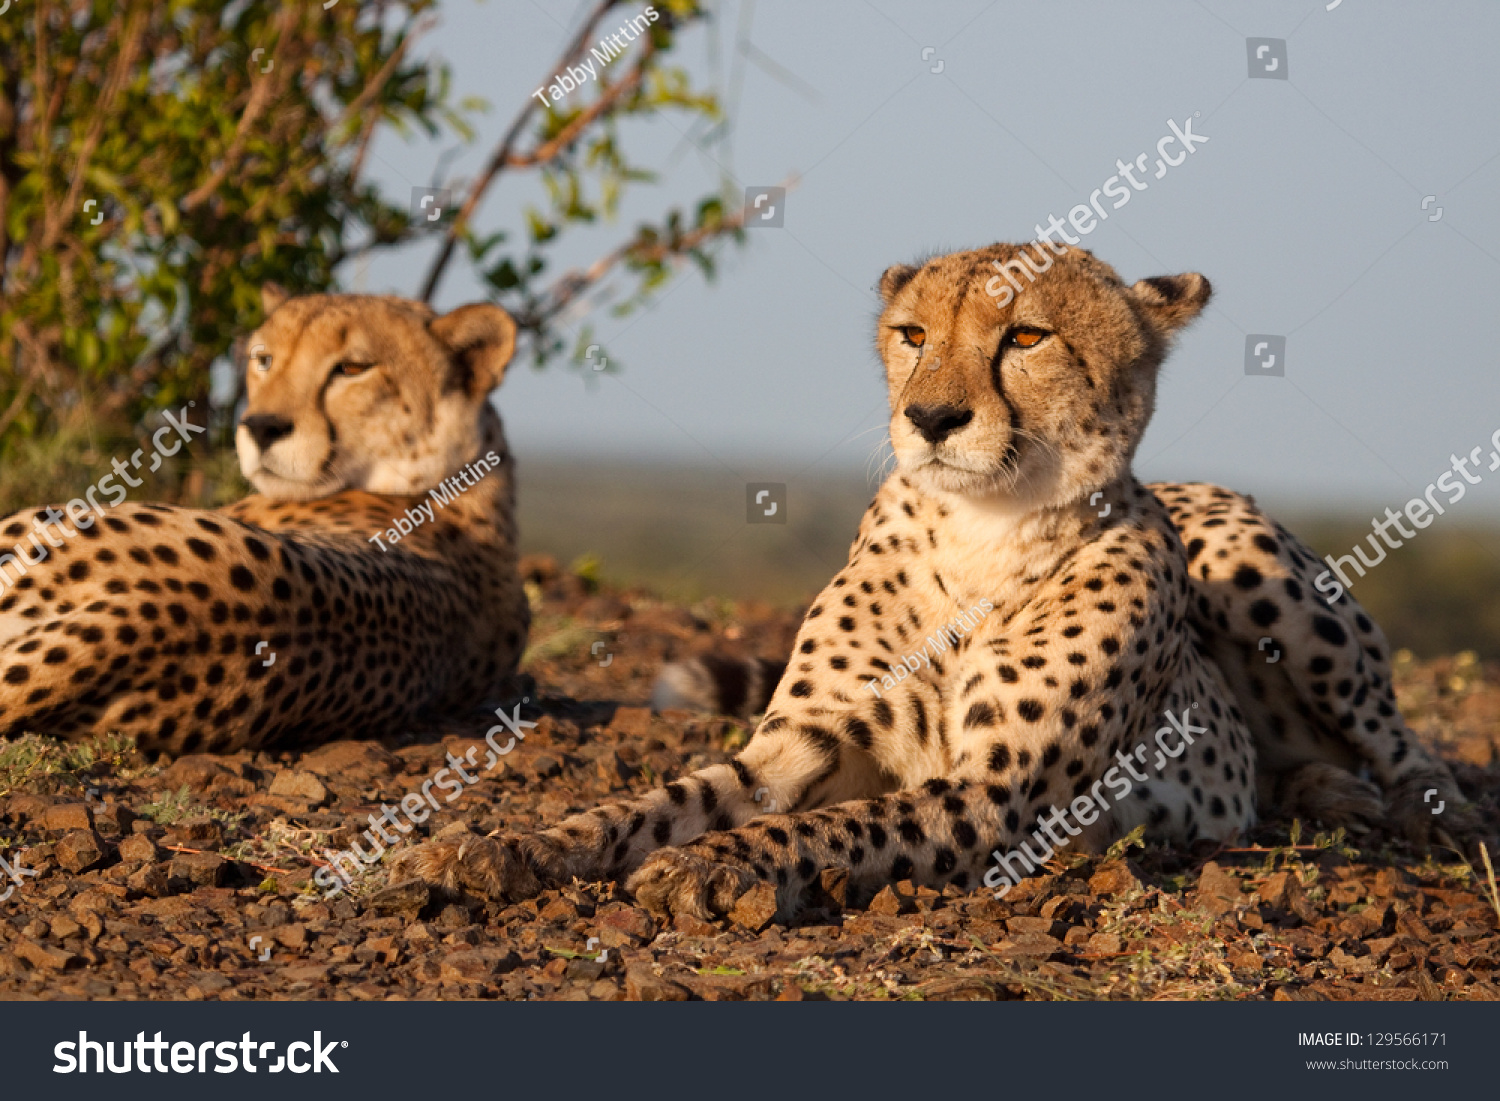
(283, 620)
(1107, 605)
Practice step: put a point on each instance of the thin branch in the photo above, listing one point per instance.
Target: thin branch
(16, 405)
(379, 80)
(123, 64)
(500, 158)
(572, 285)
(261, 95)
(569, 133)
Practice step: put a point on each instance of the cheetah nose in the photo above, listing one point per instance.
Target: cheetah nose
(938, 422)
(266, 428)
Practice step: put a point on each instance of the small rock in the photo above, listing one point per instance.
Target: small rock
(631, 722)
(202, 773)
(626, 926)
(1036, 925)
(64, 927)
(477, 964)
(1283, 891)
(408, 898)
(42, 957)
(79, 850)
(1218, 890)
(201, 832)
(1104, 944)
(357, 761)
(114, 818)
(642, 984)
(67, 817)
(200, 869)
(139, 849)
(296, 784)
(756, 908)
(1115, 877)
(26, 807)
(292, 935)
(152, 880)
(693, 926)
(587, 970)
(545, 767)
(889, 902)
(613, 770)
(559, 910)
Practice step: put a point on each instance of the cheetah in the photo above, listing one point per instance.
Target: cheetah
(1019, 623)
(371, 581)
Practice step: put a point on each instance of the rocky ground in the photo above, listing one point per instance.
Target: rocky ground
(191, 879)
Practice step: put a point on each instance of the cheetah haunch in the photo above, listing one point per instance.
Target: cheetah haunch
(278, 620)
(1014, 427)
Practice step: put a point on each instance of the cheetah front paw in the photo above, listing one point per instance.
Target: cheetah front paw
(677, 881)
(1428, 807)
(505, 869)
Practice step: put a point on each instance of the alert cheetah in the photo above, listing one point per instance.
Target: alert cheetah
(1018, 615)
(373, 580)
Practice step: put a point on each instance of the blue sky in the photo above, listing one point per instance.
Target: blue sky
(1305, 208)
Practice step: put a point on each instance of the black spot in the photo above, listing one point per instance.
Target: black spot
(980, 714)
(1263, 613)
(1329, 630)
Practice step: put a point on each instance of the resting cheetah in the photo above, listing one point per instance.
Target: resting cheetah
(1017, 616)
(293, 617)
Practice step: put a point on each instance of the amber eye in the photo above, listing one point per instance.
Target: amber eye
(913, 335)
(1027, 338)
(351, 370)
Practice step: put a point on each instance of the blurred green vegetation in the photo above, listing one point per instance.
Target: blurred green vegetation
(161, 160)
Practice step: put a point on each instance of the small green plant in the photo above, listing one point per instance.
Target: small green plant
(176, 806)
(1135, 839)
(49, 765)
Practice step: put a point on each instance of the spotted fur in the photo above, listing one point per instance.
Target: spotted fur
(277, 621)
(1085, 621)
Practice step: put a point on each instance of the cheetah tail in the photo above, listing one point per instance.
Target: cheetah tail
(717, 683)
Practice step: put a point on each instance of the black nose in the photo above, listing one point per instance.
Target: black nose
(938, 422)
(266, 428)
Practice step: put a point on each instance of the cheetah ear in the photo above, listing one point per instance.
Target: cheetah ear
(480, 339)
(896, 276)
(271, 296)
(1170, 301)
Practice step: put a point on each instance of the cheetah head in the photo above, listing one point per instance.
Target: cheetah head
(1036, 396)
(368, 392)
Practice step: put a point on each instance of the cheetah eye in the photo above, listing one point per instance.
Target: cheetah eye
(351, 370)
(914, 335)
(1026, 337)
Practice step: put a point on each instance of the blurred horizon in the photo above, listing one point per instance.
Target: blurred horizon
(680, 532)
